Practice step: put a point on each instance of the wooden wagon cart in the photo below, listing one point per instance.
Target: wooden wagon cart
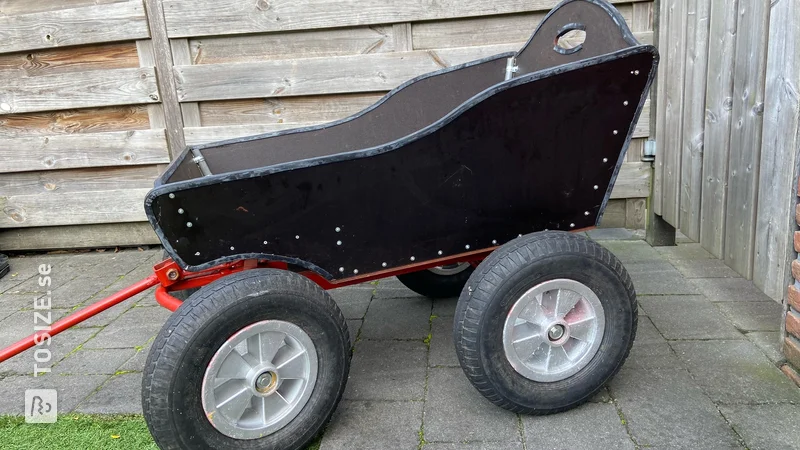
(463, 182)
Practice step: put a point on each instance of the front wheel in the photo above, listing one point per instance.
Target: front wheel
(255, 360)
(438, 282)
(544, 322)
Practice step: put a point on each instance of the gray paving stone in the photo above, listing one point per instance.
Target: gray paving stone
(397, 318)
(79, 291)
(443, 352)
(734, 372)
(753, 316)
(71, 390)
(33, 285)
(11, 303)
(120, 395)
(730, 290)
(768, 342)
(664, 408)
(371, 425)
(568, 430)
(353, 326)
(688, 317)
(352, 301)
(137, 361)
(391, 282)
(658, 278)
(60, 346)
(632, 251)
(94, 362)
(21, 324)
(650, 350)
(612, 234)
(387, 370)
(683, 252)
(704, 268)
(445, 307)
(395, 292)
(134, 328)
(456, 412)
(107, 316)
(13, 279)
(108, 264)
(510, 445)
(766, 427)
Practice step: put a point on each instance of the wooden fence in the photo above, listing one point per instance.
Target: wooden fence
(99, 94)
(727, 130)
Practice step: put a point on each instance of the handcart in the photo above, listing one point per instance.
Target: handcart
(462, 182)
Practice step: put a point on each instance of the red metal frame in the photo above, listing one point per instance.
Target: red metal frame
(168, 276)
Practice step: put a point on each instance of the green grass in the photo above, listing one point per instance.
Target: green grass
(75, 431)
(82, 431)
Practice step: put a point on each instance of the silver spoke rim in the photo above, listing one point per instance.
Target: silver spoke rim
(450, 269)
(259, 379)
(553, 330)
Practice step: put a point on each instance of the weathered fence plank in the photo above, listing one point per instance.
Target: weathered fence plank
(78, 236)
(123, 205)
(694, 117)
(75, 121)
(780, 143)
(113, 148)
(75, 26)
(79, 90)
(78, 180)
(235, 17)
(670, 142)
(119, 55)
(745, 141)
(718, 103)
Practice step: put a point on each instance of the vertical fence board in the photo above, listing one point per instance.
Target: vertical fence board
(694, 117)
(777, 192)
(675, 47)
(661, 112)
(745, 142)
(719, 91)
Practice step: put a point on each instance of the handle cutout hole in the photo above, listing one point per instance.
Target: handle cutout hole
(570, 38)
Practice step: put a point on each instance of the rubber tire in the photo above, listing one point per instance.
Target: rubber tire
(171, 397)
(501, 279)
(433, 285)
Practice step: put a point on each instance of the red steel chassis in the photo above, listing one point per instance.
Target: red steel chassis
(168, 276)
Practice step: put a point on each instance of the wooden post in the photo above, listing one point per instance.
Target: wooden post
(166, 80)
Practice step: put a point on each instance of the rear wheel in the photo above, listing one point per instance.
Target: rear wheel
(544, 322)
(438, 282)
(255, 360)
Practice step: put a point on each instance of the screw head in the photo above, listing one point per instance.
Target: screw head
(625, 103)
(172, 274)
(188, 224)
(605, 160)
(341, 269)
(494, 241)
(338, 229)
(555, 332)
(412, 258)
(440, 253)
(355, 271)
(196, 253)
(616, 132)
(180, 210)
(636, 72)
(338, 242)
(297, 237)
(265, 242)
(466, 246)
(384, 264)
(232, 248)
(596, 187)
(586, 213)
(171, 195)
(572, 225)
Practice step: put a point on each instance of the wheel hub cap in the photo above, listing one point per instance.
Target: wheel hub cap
(259, 379)
(553, 330)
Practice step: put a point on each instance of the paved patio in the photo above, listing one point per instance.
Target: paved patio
(702, 372)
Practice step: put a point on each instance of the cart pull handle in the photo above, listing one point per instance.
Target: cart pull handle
(559, 43)
(606, 32)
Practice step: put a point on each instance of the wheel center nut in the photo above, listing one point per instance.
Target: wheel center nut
(556, 332)
(266, 381)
